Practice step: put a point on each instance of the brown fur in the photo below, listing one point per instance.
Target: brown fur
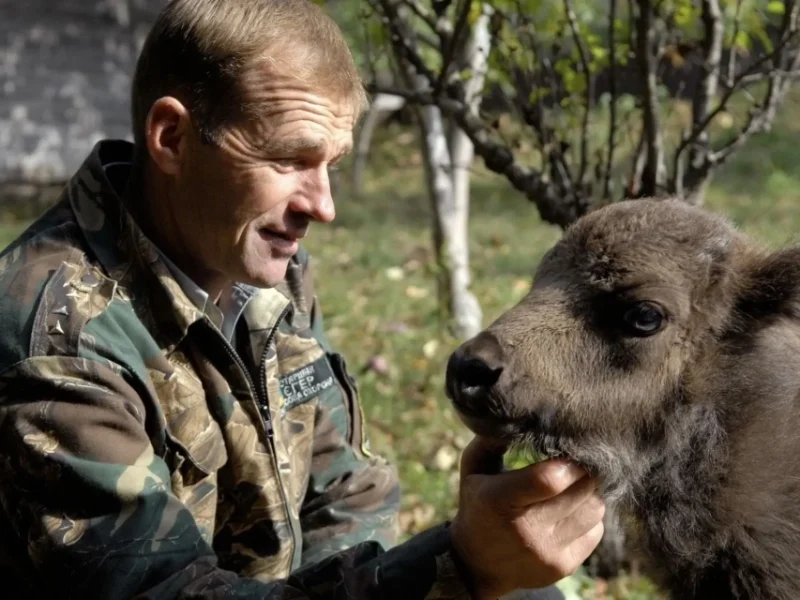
(694, 429)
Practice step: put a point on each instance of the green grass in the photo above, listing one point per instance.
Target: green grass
(375, 279)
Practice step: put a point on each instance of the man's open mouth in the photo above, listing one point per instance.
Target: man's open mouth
(280, 240)
(272, 234)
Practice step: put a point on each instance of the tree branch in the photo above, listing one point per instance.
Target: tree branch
(584, 58)
(552, 206)
(612, 83)
(737, 23)
(422, 12)
(748, 76)
(646, 56)
(401, 39)
(706, 92)
(533, 115)
(449, 48)
(786, 62)
(761, 119)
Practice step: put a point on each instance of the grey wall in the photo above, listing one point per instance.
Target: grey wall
(65, 68)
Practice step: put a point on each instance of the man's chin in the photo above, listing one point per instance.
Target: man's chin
(268, 273)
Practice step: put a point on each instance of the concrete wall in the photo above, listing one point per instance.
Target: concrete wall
(65, 68)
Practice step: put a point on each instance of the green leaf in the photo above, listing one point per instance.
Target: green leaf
(742, 40)
(475, 10)
(776, 7)
(538, 94)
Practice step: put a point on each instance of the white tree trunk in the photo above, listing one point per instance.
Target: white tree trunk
(381, 105)
(465, 307)
(448, 185)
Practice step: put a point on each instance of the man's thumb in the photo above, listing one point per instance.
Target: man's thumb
(482, 457)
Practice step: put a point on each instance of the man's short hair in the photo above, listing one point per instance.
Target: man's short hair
(199, 50)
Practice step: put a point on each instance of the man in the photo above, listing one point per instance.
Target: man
(173, 420)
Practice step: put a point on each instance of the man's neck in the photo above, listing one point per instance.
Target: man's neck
(148, 200)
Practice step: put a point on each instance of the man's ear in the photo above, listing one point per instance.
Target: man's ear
(771, 287)
(167, 129)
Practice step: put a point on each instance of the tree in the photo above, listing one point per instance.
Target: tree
(580, 102)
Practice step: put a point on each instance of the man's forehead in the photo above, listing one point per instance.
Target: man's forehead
(280, 81)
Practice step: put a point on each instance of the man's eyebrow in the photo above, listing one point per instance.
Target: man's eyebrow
(346, 149)
(302, 145)
(295, 145)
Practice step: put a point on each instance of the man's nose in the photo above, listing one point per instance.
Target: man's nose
(318, 200)
(473, 368)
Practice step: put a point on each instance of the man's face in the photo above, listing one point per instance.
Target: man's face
(241, 207)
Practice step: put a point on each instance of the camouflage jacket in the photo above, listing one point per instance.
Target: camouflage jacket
(143, 455)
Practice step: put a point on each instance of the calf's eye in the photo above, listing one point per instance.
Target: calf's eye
(643, 319)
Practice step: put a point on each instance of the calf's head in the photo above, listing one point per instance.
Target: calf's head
(630, 322)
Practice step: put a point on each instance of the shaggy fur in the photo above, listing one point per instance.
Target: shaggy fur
(693, 425)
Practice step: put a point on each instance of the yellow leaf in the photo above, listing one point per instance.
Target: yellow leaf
(520, 285)
(395, 273)
(430, 348)
(725, 120)
(445, 458)
(413, 291)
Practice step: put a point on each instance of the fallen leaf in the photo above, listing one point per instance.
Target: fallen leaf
(430, 348)
(413, 291)
(383, 389)
(404, 139)
(397, 327)
(395, 273)
(520, 285)
(420, 363)
(423, 516)
(445, 458)
(377, 364)
(725, 120)
(413, 265)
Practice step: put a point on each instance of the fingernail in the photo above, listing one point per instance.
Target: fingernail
(571, 469)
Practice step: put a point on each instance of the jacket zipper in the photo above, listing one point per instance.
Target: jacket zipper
(262, 381)
(262, 403)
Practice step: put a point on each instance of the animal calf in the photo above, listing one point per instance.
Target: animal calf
(660, 348)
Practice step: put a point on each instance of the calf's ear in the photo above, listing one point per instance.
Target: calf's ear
(771, 286)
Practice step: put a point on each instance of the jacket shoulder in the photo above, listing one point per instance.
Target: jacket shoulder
(49, 288)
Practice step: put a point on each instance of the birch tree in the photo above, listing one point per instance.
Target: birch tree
(447, 154)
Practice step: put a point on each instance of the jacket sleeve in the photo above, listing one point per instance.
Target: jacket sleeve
(352, 495)
(88, 502)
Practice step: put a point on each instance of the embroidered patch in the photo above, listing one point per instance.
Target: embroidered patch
(306, 382)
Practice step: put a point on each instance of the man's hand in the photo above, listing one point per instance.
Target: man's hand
(525, 528)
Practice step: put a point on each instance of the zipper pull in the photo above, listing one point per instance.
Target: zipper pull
(264, 410)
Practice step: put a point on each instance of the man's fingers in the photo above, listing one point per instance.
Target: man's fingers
(582, 548)
(582, 519)
(482, 456)
(524, 487)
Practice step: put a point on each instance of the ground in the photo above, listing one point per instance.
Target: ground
(378, 295)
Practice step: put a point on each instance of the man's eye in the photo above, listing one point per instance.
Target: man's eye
(288, 164)
(643, 319)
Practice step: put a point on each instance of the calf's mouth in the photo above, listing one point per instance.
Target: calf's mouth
(477, 383)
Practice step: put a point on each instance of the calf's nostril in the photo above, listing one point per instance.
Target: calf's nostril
(478, 363)
(476, 372)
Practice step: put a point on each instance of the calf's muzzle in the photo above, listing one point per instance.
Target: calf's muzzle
(472, 371)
